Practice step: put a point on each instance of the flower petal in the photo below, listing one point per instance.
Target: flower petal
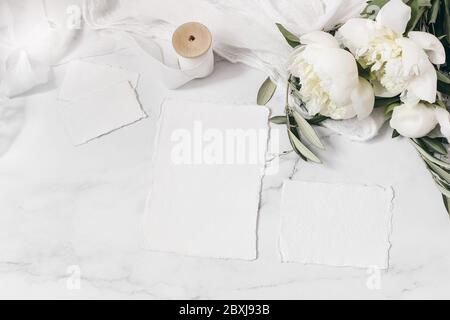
(432, 46)
(395, 15)
(356, 34)
(337, 71)
(413, 56)
(320, 39)
(363, 99)
(424, 86)
(443, 117)
(423, 83)
(381, 91)
(413, 121)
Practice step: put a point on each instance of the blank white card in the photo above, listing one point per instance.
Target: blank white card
(208, 168)
(336, 224)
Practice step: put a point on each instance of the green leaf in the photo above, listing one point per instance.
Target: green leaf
(390, 108)
(440, 104)
(384, 102)
(395, 134)
(447, 19)
(433, 145)
(291, 38)
(300, 147)
(317, 119)
(266, 92)
(430, 157)
(443, 88)
(443, 76)
(418, 8)
(434, 12)
(307, 130)
(373, 6)
(443, 174)
(294, 147)
(279, 120)
(446, 201)
(442, 188)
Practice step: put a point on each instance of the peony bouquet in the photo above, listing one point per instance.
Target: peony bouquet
(392, 57)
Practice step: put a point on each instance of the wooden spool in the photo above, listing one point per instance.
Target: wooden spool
(192, 40)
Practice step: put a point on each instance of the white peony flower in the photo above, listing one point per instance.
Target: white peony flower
(414, 120)
(398, 64)
(418, 120)
(329, 79)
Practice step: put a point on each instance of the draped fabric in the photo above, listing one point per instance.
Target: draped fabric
(35, 34)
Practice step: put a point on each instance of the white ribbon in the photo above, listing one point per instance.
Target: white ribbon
(12, 115)
(153, 36)
(358, 130)
(249, 37)
(29, 44)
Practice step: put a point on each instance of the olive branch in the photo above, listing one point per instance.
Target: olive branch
(431, 16)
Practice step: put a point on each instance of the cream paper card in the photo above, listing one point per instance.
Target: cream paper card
(208, 167)
(101, 113)
(83, 78)
(336, 224)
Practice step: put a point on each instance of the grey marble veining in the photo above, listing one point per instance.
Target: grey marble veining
(70, 217)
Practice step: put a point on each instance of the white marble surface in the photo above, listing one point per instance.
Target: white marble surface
(63, 206)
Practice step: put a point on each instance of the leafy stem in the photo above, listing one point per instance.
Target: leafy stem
(434, 153)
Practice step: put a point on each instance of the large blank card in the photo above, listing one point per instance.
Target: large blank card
(208, 167)
(336, 224)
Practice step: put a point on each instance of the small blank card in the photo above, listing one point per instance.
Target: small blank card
(97, 100)
(83, 78)
(336, 224)
(208, 168)
(101, 112)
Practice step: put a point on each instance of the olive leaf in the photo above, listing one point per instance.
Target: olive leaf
(443, 81)
(266, 92)
(390, 108)
(291, 38)
(443, 189)
(307, 130)
(443, 76)
(447, 19)
(300, 147)
(384, 102)
(442, 173)
(446, 201)
(439, 171)
(373, 6)
(434, 12)
(395, 134)
(317, 119)
(418, 8)
(433, 145)
(430, 157)
(278, 120)
(443, 88)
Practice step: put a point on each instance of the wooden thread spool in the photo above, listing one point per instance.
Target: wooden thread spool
(192, 42)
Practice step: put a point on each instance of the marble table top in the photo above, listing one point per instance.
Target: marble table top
(70, 217)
